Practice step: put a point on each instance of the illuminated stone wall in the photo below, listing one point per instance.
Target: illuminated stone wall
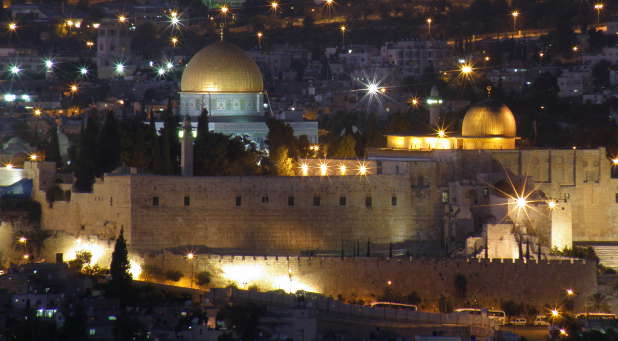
(488, 283)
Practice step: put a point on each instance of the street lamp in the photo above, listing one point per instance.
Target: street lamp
(73, 88)
(190, 257)
(174, 41)
(83, 71)
(273, 6)
(342, 28)
(570, 292)
(515, 14)
(12, 26)
(122, 18)
(260, 35)
(598, 7)
(224, 9)
(429, 21)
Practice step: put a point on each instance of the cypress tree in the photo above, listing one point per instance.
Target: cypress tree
(52, 149)
(108, 146)
(201, 144)
(119, 268)
(86, 163)
(170, 144)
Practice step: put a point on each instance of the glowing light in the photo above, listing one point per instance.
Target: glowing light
(96, 251)
(466, 69)
(342, 28)
(9, 166)
(555, 313)
(161, 71)
(224, 9)
(83, 71)
(73, 88)
(12, 26)
(515, 14)
(521, 202)
(441, 133)
(563, 332)
(290, 285)
(551, 204)
(598, 6)
(14, 69)
(304, 168)
(49, 64)
(329, 2)
(373, 88)
(575, 48)
(389, 282)
(342, 169)
(429, 20)
(10, 98)
(174, 41)
(135, 268)
(23, 240)
(260, 35)
(33, 157)
(69, 23)
(274, 5)
(122, 18)
(487, 58)
(37, 112)
(570, 292)
(362, 169)
(243, 275)
(323, 169)
(96, 25)
(25, 97)
(190, 255)
(89, 44)
(169, 65)
(26, 256)
(615, 161)
(119, 68)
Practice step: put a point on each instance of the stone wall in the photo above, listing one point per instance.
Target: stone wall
(488, 282)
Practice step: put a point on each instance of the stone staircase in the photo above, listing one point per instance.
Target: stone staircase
(607, 253)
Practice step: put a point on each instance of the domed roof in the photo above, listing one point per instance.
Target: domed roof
(221, 67)
(489, 118)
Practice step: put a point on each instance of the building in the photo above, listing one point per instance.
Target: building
(413, 57)
(113, 49)
(225, 81)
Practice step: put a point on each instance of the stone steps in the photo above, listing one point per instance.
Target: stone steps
(608, 255)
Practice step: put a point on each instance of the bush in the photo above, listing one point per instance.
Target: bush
(153, 272)
(202, 278)
(173, 275)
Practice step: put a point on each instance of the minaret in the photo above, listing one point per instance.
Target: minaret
(434, 107)
(186, 157)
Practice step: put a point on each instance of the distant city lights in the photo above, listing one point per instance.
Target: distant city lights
(14, 69)
(122, 18)
(49, 64)
(12, 26)
(83, 71)
(119, 68)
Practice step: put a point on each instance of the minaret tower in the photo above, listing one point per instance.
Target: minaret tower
(434, 102)
(186, 157)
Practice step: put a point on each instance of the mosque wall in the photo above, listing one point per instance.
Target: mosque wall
(488, 283)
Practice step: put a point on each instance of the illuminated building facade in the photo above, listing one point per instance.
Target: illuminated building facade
(225, 81)
(486, 125)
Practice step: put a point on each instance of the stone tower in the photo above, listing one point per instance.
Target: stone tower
(186, 158)
(434, 107)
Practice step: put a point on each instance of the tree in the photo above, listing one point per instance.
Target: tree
(108, 146)
(600, 74)
(52, 148)
(343, 148)
(598, 303)
(86, 164)
(281, 162)
(280, 134)
(242, 319)
(170, 144)
(119, 268)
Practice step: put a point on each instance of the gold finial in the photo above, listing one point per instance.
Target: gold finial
(489, 88)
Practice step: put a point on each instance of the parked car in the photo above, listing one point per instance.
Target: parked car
(519, 321)
(541, 320)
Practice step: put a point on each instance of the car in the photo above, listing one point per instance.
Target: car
(541, 321)
(519, 321)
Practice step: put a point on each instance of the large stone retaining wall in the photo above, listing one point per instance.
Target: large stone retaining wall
(488, 282)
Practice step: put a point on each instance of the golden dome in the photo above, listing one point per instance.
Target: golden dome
(221, 67)
(489, 118)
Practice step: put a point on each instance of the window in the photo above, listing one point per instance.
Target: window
(316, 201)
(485, 192)
(379, 164)
(342, 201)
(394, 201)
(92, 332)
(445, 197)
(265, 200)
(368, 202)
(238, 201)
(220, 104)
(155, 201)
(187, 201)
(290, 201)
(111, 201)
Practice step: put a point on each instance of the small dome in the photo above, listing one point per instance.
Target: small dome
(489, 118)
(221, 67)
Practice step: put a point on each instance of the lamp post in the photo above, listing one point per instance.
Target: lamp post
(260, 35)
(429, 21)
(342, 28)
(190, 257)
(515, 15)
(598, 7)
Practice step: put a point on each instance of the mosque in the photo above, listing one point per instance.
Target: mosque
(225, 81)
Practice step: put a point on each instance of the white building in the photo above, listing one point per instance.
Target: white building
(412, 57)
(571, 83)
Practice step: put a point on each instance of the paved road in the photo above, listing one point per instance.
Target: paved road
(530, 333)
